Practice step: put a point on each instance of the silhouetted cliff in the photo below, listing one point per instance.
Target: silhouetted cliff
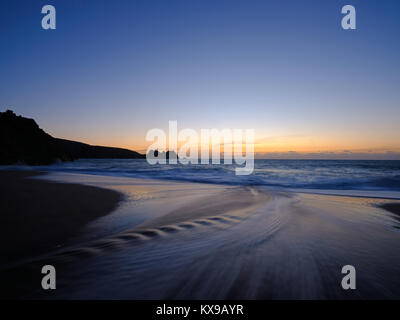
(22, 141)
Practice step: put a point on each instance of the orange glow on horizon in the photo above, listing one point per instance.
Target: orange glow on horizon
(301, 144)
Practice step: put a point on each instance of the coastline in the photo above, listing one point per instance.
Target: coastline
(38, 215)
(183, 240)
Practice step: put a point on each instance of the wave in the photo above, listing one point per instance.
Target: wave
(301, 174)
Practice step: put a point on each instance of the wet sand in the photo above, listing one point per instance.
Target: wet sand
(38, 216)
(171, 240)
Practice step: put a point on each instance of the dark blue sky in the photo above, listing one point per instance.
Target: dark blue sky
(114, 69)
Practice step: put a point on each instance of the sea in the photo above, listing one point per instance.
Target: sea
(205, 241)
(381, 177)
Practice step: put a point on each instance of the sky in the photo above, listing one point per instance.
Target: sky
(112, 70)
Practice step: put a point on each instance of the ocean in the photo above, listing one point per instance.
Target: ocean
(338, 175)
(263, 236)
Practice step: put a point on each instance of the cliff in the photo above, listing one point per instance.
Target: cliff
(22, 141)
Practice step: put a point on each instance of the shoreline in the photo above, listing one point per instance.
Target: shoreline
(197, 241)
(181, 240)
(39, 215)
(47, 207)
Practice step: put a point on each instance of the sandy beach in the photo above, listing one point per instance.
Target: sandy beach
(179, 240)
(38, 216)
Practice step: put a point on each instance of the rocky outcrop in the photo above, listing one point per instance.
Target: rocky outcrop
(22, 141)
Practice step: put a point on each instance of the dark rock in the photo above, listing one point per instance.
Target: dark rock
(153, 154)
(22, 141)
